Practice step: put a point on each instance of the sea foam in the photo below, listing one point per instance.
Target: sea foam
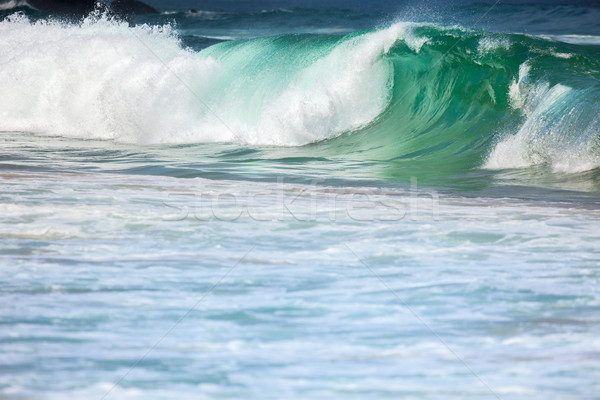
(560, 128)
(102, 79)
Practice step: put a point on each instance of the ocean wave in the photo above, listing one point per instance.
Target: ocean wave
(102, 79)
(419, 94)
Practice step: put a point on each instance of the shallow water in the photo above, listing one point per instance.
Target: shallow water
(238, 289)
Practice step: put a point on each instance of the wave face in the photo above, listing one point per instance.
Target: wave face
(410, 93)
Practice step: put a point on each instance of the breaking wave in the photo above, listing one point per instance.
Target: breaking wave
(417, 93)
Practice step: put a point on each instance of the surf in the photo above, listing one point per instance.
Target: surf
(422, 96)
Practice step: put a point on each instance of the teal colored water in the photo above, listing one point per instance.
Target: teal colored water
(314, 201)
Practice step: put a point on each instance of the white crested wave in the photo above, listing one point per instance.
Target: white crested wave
(102, 79)
(560, 128)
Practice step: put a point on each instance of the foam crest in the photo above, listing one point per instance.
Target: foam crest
(341, 92)
(99, 79)
(102, 79)
(560, 128)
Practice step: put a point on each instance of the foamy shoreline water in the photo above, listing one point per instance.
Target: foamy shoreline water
(96, 268)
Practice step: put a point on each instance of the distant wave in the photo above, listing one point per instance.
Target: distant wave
(575, 39)
(211, 15)
(9, 5)
(208, 15)
(415, 93)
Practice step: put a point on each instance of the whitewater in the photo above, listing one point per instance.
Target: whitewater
(306, 201)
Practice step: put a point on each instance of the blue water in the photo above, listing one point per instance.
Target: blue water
(301, 200)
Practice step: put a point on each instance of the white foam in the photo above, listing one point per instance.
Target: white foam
(102, 79)
(564, 56)
(559, 129)
(518, 88)
(488, 44)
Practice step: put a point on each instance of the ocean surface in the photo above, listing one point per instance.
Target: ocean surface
(301, 200)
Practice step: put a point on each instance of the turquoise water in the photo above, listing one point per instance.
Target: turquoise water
(250, 202)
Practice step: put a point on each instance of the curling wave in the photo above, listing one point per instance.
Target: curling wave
(411, 93)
